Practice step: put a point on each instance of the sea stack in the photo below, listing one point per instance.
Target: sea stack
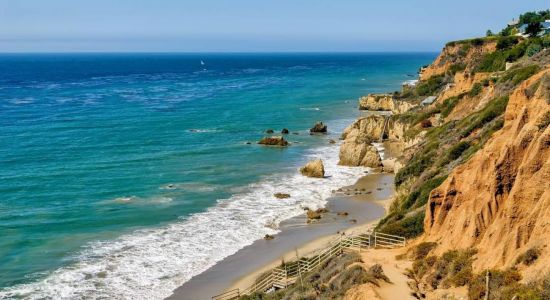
(314, 168)
(319, 127)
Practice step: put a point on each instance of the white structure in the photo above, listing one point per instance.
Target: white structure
(410, 83)
(514, 22)
(428, 100)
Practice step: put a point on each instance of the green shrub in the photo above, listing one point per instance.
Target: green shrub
(456, 150)
(453, 268)
(497, 281)
(453, 69)
(492, 110)
(496, 61)
(529, 257)
(448, 106)
(476, 89)
(409, 227)
(430, 86)
(517, 75)
(414, 168)
(533, 49)
(423, 249)
(507, 42)
(420, 195)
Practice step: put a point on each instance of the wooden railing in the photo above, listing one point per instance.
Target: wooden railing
(286, 274)
(231, 294)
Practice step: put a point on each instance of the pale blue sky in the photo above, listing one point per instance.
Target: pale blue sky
(248, 25)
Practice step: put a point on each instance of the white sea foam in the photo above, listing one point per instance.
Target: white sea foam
(150, 264)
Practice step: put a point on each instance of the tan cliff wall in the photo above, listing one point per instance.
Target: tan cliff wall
(384, 102)
(463, 82)
(452, 54)
(499, 201)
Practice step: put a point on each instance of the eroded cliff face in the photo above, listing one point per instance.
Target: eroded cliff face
(456, 53)
(499, 200)
(384, 102)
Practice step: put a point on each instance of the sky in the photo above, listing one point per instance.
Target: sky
(249, 25)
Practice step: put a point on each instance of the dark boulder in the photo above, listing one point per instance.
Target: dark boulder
(273, 141)
(319, 127)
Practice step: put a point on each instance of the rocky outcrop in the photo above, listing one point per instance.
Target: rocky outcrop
(314, 168)
(359, 154)
(365, 129)
(274, 141)
(356, 150)
(319, 127)
(376, 128)
(284, 131)
(499, 200)
(384, 102)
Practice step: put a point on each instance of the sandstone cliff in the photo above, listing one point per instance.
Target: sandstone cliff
(384, 102)
(499, 201)
(457, 53)
(357, 148)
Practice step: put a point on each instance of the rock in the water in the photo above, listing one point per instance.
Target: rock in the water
(281, 195)
(284, 131)
(313, 215)
(322, 210)
(273, 141)
(313, 168)
(331, 141)
(319, 127)
(269, 131)
(268, 237)
(342, 213)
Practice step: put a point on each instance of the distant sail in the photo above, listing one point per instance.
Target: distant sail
(202, 63)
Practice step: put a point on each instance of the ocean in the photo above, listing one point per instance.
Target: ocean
(124, 175)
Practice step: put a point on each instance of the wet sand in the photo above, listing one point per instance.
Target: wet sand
(364, 202)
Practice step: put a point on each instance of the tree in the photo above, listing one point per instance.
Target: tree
(533, 29)
(489, 33)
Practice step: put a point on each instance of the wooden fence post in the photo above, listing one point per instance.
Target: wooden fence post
(487, 285)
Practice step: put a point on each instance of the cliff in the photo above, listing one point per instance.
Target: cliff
(458, 55)
(357, 148)
(499, 201)
(384, 102)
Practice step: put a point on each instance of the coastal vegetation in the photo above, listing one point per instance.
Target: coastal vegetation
(454, 269)
(473, 128)
(332, 280)
(455, 140)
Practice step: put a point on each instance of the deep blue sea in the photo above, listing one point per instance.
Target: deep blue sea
(124, 175)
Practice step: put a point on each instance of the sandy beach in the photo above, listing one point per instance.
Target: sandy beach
(365, 202)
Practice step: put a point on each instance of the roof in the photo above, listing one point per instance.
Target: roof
(429, 100)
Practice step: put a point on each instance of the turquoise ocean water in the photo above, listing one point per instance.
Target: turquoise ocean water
(124, 175)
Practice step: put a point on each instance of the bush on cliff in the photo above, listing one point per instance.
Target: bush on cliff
(409, 226)
(430, 86)
(475, 121)
(517, 75)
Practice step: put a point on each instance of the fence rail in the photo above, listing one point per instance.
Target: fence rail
(286, 274)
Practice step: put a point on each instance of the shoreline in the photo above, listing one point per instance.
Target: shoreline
(242, 268)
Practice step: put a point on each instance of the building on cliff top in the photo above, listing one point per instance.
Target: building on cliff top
(428, 100)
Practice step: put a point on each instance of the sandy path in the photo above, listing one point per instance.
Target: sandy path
(394, 269)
